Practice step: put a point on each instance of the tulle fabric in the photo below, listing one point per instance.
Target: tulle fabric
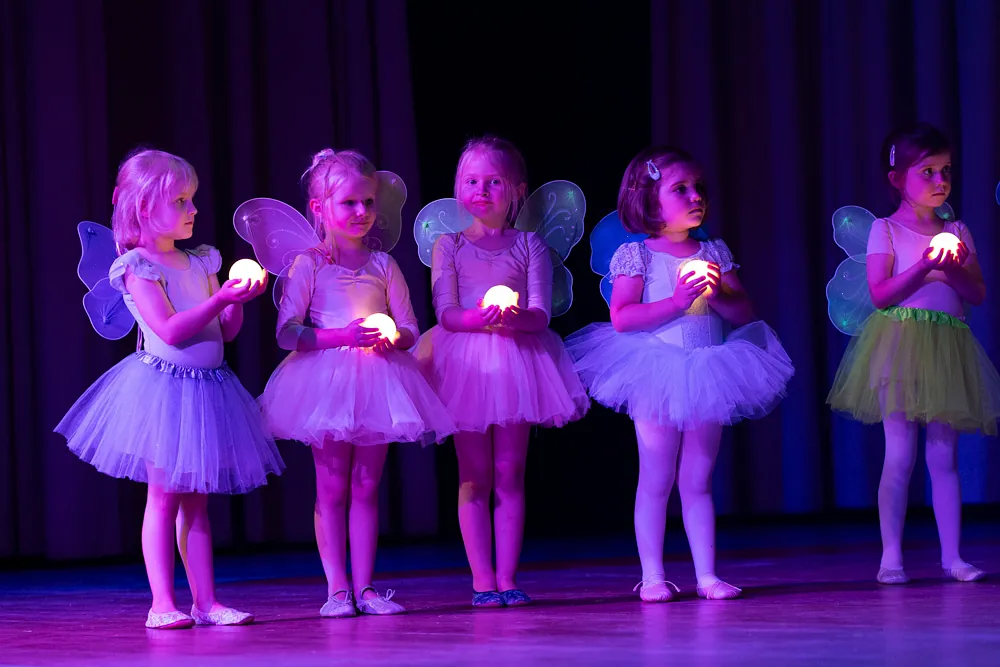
(192, 429)
(353, 395)
(923, 364)
(502, 377)
(636, 372)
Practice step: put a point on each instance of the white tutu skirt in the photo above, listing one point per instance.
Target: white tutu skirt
(638, 373)
(193, 429)
(502, 377)
(353, 395)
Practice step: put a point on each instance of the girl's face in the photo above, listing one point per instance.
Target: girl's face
(173, 216)
(681, 198)
(349, 212)
(927, 183)
(484, 190)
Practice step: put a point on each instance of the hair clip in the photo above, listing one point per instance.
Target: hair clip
(892, 156)
(654, 171)
(114, 197)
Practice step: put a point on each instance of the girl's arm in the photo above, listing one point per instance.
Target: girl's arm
(292, 332)
(231, 317)
(170, 326)
(888, 290)
(537, 315)
(731, 301)
(400, 307)
(628, 313)
(965, 276)
(444, 287)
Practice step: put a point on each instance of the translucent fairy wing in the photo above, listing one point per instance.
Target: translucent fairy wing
(851, 226)
(945, 212)
(279, 286)
(98, 252)
(276, 231)
(389, 199)
(998, 193)
(848, 301)
(107, 311)
(609, 235)
(443, 216)
(555, 212)
(562, 286)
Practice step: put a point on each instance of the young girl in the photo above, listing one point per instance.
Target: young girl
(346, 390)
(664, 357)
(497, 371)
(173, 415)
(916, 362)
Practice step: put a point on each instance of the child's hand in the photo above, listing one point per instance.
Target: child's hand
(714, 281)
(356, 335)
(686, 292)
(518, 319)
(383, 345)
(931, 262)
(474, 319)
(951, 263)
(238, 291)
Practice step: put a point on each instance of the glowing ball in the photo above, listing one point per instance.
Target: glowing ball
(247, 270)
(701, 270)
(945, 241)
(386, 327)
(501, 296)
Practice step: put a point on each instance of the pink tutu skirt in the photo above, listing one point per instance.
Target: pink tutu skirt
(637, 372)
(502, 377)
(353, 395)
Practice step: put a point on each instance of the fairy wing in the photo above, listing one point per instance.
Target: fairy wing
(103, 304)
(443, 216)
(277, 233)
(389, 199)
(605, 239)
(848, 301)
(555, 212)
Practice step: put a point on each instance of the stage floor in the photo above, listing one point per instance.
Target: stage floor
(812, 602)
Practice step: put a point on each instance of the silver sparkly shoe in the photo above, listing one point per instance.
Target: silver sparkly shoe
(171, 620)
(335, 608)
(225, 616)
(379, 606)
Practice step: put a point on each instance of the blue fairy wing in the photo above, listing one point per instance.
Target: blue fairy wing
(945, 212)
(98, 252)
(389, 199)
(107, 311)
(555, 212)
(276, 231)
(443, 216)
(851, 227)
(998, 193)
(605, 239)
(849, 302)
(104, 305)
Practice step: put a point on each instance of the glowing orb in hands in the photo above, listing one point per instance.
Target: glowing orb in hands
(945, 241)
(386, 327)
(701, 270)
(246, 270)
(500, 296)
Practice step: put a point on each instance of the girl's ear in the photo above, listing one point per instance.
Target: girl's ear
(896, 179)
(316, 207)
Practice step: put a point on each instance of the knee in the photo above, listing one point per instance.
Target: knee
(941, 459)
(509, 477)
(364, 488)
(331, 491)
(694, 486)
(475, 485)
(163, 502)
(655, 486)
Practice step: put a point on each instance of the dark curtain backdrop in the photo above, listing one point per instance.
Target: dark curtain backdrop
(784, 102)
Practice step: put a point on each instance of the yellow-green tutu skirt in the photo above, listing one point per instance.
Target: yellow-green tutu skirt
(924, 364)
